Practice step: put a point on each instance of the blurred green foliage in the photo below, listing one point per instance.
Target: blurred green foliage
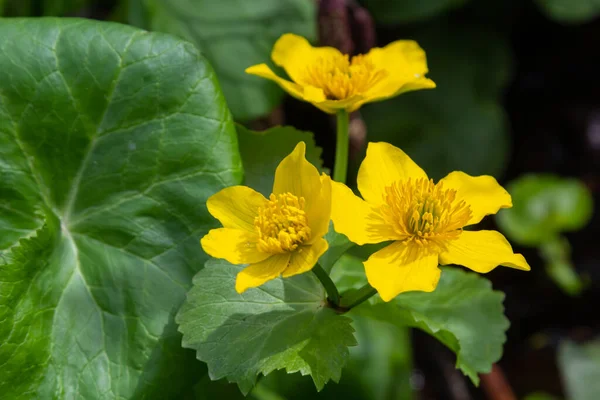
(570, 11)
(233, 35)
(543, 207)
(580, 368)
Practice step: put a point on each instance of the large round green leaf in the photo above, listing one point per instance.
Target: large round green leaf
(112, 138)
(233, 35)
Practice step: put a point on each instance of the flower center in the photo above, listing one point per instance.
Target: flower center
(341, 77)
(281, 224)
(424, 212)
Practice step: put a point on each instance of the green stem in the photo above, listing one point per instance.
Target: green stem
(341, 149)
(332, 293)
(357, 297)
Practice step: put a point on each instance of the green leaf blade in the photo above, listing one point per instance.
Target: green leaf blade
(463, 312)
(283, 324)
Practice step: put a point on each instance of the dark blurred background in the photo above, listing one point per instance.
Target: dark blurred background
(518, 98)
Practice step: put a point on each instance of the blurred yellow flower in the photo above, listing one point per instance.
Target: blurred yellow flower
(423, 219)
(333, 81)
(282, 235)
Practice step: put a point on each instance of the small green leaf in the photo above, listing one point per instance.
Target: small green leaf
(570, 11)
(460, 125)
(398, 12)
(338, 245)
(114, 138)
(282, 324)
(263, 151)
(463, 312)
(543, 207)
(233, 35)
(580, 369)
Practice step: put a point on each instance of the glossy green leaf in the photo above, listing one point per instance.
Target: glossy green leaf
(580, 369)
(543, 207)
(263, 151)
(233, 35)
(570, 11)
(397, 12)
(283, 324)
(463, 312)
(460, 125)
(114, 138)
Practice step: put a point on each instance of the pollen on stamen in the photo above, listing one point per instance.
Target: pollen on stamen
(424, 212)
(281, 224)
(342, 77)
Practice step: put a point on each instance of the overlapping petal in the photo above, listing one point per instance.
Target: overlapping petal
(397, 68)
(482, 251)
(482, 193)
(305, 258)
(400, 268)
(383, 165)
(234, 245)
(256, 274)
(357, 219)
(236, 207)
(405, 65)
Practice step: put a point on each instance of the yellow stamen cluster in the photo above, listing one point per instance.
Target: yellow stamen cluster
(281, 224)
(424, 212)
(341, 78)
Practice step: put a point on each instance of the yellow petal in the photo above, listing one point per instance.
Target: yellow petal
(297, 176)
(403, 58)
(294, 53)
(305, 258)
(482, 193)
(405, 65)
(482, 251)
(236, 207)
(299, 92)
(234, 245)
(383, 165)
(356, 218)
(318, 212)
(399, 268)
(256, 274)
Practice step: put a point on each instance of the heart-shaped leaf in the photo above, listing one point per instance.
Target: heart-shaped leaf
(113, 138)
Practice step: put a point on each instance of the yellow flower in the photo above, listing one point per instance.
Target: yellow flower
(423, 219)
(333, 81)
(282, 235)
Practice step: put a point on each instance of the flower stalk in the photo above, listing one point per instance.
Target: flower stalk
(357, 297)
(340, 168)
(332, 293)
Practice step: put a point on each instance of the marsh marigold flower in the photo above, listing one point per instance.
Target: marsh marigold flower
(424, 220)
(281, 235)
(334, 81)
